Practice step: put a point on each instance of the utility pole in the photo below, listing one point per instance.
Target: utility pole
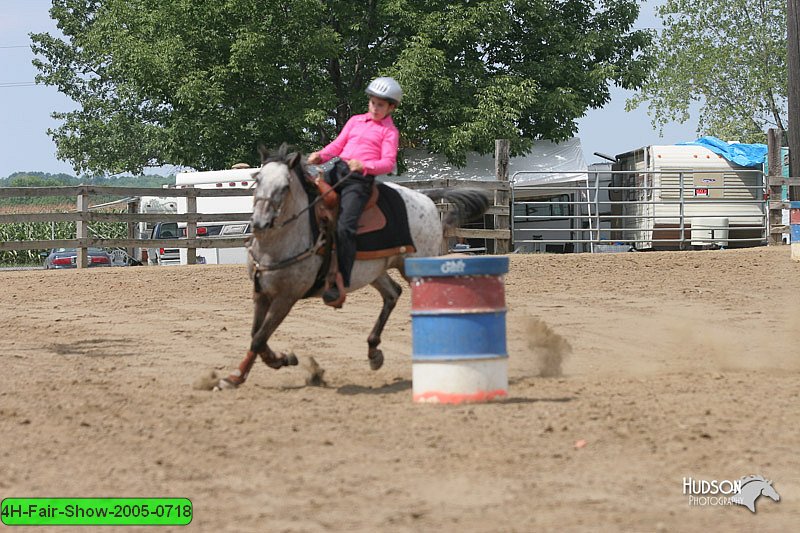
(793, 61)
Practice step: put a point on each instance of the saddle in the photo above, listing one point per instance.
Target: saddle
(372, 219)
(375, 236)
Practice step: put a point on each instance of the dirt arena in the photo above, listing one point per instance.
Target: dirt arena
(682, 364)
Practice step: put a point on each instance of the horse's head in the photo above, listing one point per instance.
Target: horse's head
(274, 187)
(769, 491)
(752, 488)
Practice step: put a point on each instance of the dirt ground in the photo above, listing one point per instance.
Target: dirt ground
(682, 364)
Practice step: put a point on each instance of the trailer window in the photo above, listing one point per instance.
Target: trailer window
(556, 206)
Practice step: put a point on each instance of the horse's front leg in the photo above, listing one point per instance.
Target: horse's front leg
(390, 292)
(262, 331)
(263, 314)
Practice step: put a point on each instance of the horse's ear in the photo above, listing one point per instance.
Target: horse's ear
(293, 159)
(263, 151)
(282, 151)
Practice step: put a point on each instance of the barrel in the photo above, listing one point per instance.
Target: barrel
(794, 221)
(458, 327)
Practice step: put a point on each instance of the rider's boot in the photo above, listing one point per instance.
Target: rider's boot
(335, 295)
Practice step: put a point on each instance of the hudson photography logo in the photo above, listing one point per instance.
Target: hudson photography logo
(744, 491)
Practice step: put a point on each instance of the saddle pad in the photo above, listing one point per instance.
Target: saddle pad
(395, 236)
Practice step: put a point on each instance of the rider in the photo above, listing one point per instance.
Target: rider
(367, 146)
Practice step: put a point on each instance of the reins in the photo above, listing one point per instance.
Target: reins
(305, 254)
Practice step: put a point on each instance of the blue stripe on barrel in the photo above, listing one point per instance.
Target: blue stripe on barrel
(449, 336)
(455, 266)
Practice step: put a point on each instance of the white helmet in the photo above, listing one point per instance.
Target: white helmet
(386, 88)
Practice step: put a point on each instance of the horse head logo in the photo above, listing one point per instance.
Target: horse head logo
(752, 488)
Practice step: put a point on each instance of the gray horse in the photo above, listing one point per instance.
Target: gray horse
(283, 255)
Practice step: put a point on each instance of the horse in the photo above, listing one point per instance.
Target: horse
(752, 488)
(284, 264)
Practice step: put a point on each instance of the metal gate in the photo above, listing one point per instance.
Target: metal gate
(643, 210)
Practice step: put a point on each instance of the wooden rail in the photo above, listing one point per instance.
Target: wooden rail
(84, 215)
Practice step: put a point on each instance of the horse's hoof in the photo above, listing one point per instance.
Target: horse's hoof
(290, 360)
(224, 384)
(376, 360)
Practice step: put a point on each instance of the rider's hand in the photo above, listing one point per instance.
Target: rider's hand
(314, 158)
(355, 165)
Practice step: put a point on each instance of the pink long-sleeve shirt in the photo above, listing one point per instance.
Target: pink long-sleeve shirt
(374, 143)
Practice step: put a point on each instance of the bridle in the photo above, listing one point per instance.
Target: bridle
(314, 197)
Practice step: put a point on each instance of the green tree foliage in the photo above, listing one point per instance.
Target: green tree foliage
(729, 57)
(43, 179)
(199, 83)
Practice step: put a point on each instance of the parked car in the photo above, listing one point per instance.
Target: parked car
(67, 258)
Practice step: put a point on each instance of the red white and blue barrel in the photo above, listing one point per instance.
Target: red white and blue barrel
(794, 225)
(458, 323)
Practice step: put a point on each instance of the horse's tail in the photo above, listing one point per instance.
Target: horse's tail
(469, 204)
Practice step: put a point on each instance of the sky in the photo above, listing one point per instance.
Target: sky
(25, 108)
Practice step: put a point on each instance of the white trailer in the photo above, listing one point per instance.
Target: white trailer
(668, 189)
(240, 178)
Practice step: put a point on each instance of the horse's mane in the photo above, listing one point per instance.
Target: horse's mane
(750, 479)
(295, 163)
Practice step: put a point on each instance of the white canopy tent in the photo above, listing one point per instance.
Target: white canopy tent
(548, 162)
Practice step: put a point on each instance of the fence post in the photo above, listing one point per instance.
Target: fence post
(82, 228)
(501, 156)
(133, 208)
(775, 201)
(191, 226)
(682, 211)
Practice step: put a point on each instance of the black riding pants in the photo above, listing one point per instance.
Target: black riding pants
(353, 196)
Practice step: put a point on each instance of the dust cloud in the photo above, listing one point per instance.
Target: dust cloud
(549, 348)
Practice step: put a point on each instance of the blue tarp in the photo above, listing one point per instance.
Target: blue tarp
(746, 155)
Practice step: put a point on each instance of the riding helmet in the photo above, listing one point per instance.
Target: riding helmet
(386, 88)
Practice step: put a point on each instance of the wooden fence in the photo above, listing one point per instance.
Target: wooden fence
(84, 214)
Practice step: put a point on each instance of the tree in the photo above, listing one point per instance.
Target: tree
(200, 82)
(727, 55)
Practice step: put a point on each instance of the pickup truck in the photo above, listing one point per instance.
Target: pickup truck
(164, 256)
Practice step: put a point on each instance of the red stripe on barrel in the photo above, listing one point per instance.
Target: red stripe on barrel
(455, 398)
(465, 293)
